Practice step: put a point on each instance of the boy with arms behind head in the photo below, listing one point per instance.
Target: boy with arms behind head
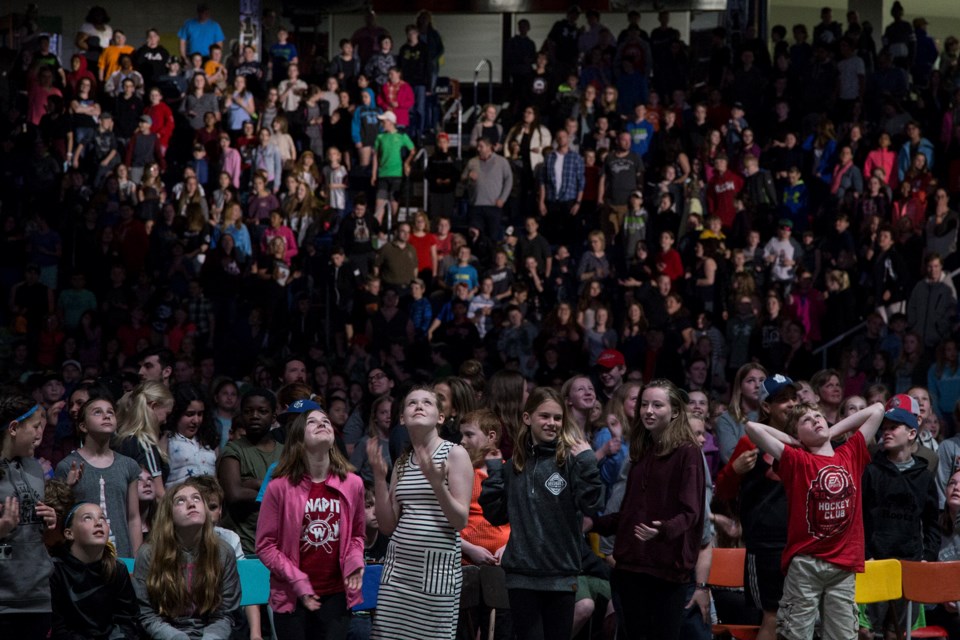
(825, 541)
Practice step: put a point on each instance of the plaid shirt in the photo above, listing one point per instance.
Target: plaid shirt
(200, 310)
(572, 177)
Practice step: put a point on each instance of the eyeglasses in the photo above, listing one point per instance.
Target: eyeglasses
(375, 377)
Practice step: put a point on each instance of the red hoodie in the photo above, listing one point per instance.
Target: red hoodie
(162, 122)
(720, 194)
(74, 77)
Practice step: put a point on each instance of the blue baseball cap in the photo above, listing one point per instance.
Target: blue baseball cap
(303, 406)
(774, 385)
(903, 409)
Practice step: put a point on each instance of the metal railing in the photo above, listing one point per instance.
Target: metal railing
(476, 81)
(455, 108)
(840, 338)
(426, 188)
(826, 346)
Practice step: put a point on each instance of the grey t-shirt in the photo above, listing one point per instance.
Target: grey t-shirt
(621, 177)
(359, 458)
(109, 488)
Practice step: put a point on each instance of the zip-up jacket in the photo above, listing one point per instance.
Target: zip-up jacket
(930, 311)
(544, 504)
(900, 510)
(365, 125)
(279, 531)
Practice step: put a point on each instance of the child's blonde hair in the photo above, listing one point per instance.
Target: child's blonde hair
(135, 415)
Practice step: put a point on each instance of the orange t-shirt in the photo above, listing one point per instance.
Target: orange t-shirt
(110, 59)
(478, 531)
(211, 68)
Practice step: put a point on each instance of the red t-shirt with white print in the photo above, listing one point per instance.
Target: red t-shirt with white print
(320, 540)
(825, 504)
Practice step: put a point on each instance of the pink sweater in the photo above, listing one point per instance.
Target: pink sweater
(402, 94)
(278, 537)
(232, 165)
(879, 159)
(284, 232)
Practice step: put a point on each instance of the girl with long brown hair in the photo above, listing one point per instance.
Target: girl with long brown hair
(505, 394)
(609, 441)
(543, 493)
(311, 533)
(533, 138)
(232, 225)
(302, 209)
(661, 518)
(744, 405)
(378, 428)
(186, 577)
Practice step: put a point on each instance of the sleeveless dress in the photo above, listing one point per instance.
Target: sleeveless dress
(420, 588)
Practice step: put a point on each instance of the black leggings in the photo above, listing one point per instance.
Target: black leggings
(652, 607)
(25, 626)
(542, 615)
(330, 622)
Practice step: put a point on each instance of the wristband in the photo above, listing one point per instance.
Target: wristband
(703, 586)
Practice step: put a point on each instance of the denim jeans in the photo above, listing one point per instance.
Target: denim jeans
(418, 114)
(692, 626)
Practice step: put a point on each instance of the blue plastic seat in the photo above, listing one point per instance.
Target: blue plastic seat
(371, 587)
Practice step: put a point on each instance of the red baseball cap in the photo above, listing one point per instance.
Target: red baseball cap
(610, 359)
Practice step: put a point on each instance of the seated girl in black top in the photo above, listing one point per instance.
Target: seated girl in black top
(92, 593)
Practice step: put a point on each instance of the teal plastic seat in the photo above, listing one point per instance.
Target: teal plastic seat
(254, 582)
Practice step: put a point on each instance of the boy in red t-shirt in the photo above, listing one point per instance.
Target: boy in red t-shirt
(825, 543)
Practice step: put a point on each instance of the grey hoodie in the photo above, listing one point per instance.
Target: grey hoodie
(215, 626)
(25, 573)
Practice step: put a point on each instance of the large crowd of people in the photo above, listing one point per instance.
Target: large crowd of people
(665, 303)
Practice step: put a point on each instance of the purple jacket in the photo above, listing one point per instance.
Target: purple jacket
(278, 537)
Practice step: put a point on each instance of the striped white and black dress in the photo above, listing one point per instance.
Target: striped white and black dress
(420, 588)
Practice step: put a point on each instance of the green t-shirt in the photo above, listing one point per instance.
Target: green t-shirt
(388, 147)
(253, 464)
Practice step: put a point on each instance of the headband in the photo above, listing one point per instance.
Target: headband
(73, 512)
(32, 410)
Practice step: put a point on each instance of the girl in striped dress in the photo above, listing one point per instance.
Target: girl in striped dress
(423, 510)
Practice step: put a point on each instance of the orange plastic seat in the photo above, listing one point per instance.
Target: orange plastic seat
(929, 583)
(726, 570)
